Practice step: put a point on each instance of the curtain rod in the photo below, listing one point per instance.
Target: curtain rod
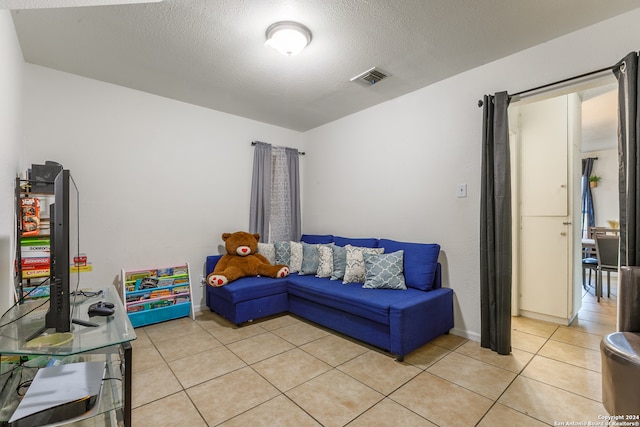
(590, 73)
(302, 153)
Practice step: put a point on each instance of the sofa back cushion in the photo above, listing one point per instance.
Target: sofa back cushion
(420, 262)
(317, 238)
(362, 242)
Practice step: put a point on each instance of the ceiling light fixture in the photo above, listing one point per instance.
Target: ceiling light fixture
(288, 37)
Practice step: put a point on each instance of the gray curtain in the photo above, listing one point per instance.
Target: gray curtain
(293, 162)
(626, 71)
(495, 227)
(260, 208)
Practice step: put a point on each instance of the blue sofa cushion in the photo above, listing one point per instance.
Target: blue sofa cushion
(317, 238)
(420, 262)
(372, 304)
(250, 288)
(361, 242)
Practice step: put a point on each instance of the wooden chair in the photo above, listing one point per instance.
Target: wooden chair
(593, 231)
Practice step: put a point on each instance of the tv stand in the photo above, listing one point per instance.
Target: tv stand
(109, 339)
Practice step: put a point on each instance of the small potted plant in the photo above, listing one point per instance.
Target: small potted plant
(593, 181)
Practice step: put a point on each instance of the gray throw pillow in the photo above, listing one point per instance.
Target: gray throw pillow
(339, 262)
(384, 271)
(283, 253)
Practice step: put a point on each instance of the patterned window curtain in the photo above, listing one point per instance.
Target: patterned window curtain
(280, 221)
(275, 194)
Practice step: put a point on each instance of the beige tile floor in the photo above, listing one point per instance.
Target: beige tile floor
(285, 371)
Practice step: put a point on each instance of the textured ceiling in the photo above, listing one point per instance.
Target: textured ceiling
(211, 52)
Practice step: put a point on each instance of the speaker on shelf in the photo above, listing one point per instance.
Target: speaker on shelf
(43, 176)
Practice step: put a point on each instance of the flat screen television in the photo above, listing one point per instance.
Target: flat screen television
(65, 245)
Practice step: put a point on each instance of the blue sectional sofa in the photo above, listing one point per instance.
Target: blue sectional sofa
(398, 321)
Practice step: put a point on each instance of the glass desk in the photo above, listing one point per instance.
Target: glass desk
(109, 341)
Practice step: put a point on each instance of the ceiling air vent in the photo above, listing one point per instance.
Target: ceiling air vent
(369, 77)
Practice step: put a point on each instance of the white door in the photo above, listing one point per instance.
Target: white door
(545, 209)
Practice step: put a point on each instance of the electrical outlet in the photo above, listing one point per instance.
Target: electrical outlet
(462, 190)
(203, 280)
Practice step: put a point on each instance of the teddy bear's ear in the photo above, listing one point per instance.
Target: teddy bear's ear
(257, 236)
(225, 236)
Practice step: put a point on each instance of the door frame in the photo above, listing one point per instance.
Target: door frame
(574, 140)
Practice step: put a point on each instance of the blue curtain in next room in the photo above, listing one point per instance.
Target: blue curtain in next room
(588, 218)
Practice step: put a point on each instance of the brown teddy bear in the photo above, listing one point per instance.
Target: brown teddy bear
(242, 260)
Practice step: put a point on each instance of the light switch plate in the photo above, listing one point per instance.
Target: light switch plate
(462, 190)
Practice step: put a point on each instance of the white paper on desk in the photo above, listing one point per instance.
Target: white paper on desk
(57, 385)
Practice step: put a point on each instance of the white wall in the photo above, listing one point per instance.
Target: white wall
(159, 180)
(395, 167)
(11, 90)
(605, 195)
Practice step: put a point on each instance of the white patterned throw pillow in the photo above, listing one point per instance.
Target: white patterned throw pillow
(268, 250)
(295, 263)
(355, 271)
(325, 261)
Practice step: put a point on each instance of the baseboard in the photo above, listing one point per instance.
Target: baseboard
(546, 318)
(473, 336)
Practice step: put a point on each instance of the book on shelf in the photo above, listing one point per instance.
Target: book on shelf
(35, 273)
(32, 292)
(35, 262)
(35, 248)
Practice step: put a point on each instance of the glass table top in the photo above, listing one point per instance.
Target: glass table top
(24, 320)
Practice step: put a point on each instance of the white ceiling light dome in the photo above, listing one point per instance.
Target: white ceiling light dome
(288, 37)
